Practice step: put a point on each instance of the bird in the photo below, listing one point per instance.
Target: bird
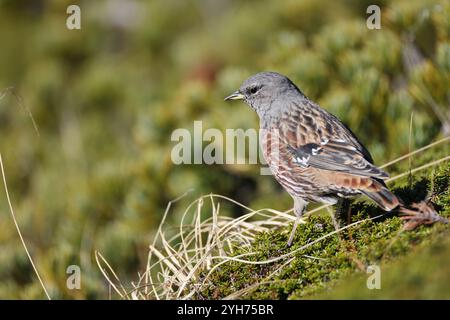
(310, 152)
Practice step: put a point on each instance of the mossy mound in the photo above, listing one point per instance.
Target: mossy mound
(336, 266)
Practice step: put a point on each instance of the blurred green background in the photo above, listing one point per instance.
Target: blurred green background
(106, 99)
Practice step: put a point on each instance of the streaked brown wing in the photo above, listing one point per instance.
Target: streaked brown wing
(318, 139)
(335, 155)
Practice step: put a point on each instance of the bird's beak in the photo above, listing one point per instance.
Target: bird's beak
(235, 96)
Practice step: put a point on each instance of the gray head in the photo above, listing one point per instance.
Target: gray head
(265, 92)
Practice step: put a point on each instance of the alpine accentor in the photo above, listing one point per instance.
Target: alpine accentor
(311, 153)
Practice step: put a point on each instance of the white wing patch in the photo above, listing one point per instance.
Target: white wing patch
(315, 152)
(335, 155)
(302, 161)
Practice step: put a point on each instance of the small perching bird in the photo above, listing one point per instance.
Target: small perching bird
(310, 152)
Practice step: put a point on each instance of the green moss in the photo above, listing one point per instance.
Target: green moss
(423, 274)
(340, 260)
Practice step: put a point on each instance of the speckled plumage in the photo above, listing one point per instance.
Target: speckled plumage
(319, 159)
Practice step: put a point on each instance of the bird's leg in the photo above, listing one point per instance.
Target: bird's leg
(299, 208)
(343, 211)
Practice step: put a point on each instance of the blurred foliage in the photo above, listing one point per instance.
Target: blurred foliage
(106, 99)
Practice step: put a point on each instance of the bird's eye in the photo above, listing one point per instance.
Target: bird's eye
(254, 89)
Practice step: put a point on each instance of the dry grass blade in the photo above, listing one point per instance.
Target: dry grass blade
(410, 154)
(18, 230)
(410, 148)
(19, 100)
(176, 270)
(425, 166)
(242, 292)
(100, 259)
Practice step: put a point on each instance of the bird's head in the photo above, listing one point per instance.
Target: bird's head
(265, 92)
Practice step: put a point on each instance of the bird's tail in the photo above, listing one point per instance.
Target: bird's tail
(414, 215)
(385, 199)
